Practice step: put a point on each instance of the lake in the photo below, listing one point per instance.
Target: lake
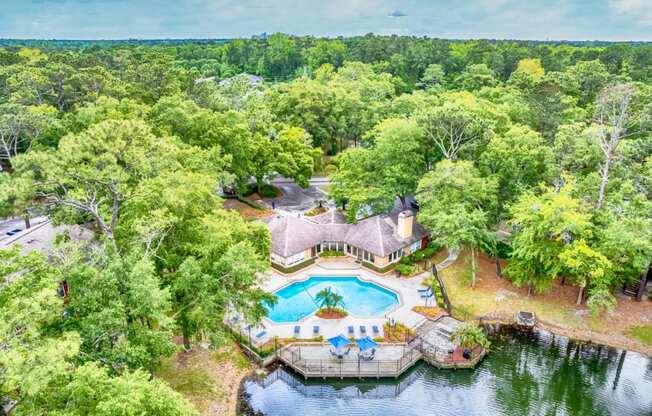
(534, 374)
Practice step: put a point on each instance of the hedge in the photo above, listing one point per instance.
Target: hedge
(293, 268)
(381, 270)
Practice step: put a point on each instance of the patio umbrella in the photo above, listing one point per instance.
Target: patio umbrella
(339, 342)
(366, 343)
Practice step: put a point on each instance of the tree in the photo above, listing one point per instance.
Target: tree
(39, 361)
(222, 262)
(93, 173)
(475, 77)
(451, 128)
(532, 67)
(587, 267)
(545, 224)
(117, 306)
(290, 154)
(433, 77)
(519, 159)
(355, 185)
(329, 299)
(397, 157)
(614, 118)
(20, 128)
(454, 201)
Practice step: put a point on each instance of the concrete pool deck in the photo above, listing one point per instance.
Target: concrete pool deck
(406, 289)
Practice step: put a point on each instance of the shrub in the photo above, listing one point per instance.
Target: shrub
(266, 191)
(316, 211)
(332, 313)
(330, 169)
(332, 253)
(397, 332)
(470, 336)
(294, 267)
(600, 300)
(404, 269)
(377, 269)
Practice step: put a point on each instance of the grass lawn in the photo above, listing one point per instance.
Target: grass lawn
(555, 308)
(208, 379)
(642, 333)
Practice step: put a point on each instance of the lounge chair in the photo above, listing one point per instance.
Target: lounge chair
(368, 357)
(351, 330)
(340, 355)
(315, 330)
(363, 329)
(375, 330)
(297, 330)
(425, 294)
(261, 335)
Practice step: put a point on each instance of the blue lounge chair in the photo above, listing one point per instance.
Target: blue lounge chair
(297, 330)
(261, 335)
(375, 330)
(363, 329)
(315, 330)
(425, 294)
(351, 330)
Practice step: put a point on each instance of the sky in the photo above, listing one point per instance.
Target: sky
(615, 20)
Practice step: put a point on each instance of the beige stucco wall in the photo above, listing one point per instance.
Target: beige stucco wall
(381, 261)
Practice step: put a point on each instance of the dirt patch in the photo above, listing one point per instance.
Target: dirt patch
(247, 211)
(555, 307)
(208, 379)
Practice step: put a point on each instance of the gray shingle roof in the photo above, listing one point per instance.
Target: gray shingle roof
(376, 234)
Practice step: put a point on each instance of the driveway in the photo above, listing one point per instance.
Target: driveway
(294, 199)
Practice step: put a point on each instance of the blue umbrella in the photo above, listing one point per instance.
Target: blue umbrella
(366, 343)
(339, 341)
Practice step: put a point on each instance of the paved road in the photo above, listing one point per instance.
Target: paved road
(314, 181)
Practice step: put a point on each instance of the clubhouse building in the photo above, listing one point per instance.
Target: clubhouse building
(378, 241)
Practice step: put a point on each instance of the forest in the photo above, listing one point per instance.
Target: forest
(549, 141)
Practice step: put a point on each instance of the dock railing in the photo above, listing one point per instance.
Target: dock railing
(326, 368)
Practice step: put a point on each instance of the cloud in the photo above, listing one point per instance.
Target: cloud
(640, 10)
(514, 19)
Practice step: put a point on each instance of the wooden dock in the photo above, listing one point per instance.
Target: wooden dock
(432, 344)
(314, 361)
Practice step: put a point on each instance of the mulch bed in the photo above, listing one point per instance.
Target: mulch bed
(429, 312)
(331, 315)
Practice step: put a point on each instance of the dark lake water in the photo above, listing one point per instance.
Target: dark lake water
(539, 374)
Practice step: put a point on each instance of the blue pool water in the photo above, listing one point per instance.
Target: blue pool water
(361, 299)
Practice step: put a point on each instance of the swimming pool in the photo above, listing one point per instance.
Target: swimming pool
(361, 299)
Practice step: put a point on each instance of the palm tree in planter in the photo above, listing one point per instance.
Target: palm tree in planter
(330, 301)
(470, 336)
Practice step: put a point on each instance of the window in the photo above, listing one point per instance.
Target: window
(396, 255)
(415, 246)
(295, 259)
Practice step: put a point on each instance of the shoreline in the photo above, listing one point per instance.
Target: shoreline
(592, 337)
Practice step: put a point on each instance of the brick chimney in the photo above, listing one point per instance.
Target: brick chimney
(405, 224)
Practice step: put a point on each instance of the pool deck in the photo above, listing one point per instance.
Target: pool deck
(311, 358)
(405, 288)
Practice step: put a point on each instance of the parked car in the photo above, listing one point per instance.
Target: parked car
(14, 231)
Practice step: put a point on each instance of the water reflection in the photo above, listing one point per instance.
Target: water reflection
(538, 374)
